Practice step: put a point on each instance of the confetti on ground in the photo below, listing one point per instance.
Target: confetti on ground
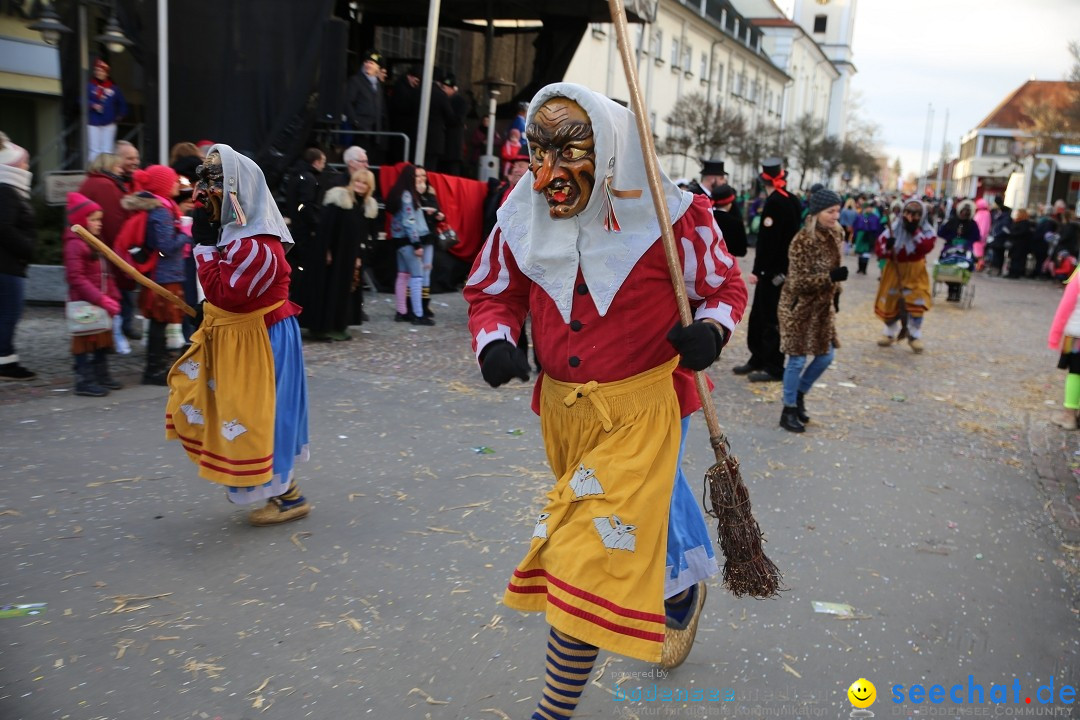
(123, 600)
(110, 482)
(793, 671)
(463, 507)
(296, 537)
(483, 450)
(193, 666)
(427, 698)
(515, 432)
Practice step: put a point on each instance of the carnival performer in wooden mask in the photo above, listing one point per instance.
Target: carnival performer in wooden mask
(620, 551)
(238, 396)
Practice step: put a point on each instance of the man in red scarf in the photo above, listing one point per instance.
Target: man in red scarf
(106, 107)
(780, 218)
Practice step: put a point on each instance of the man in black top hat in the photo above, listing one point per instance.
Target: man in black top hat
(366, 106)
(780, 218)
(712, 177)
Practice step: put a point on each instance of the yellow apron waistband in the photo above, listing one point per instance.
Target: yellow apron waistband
(216, 317)
(610, 400)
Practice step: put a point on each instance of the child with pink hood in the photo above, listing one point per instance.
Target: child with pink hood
(89, 278)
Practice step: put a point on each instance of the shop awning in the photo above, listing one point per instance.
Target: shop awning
(1067, 163)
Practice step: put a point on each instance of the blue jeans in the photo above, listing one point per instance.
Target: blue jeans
(12, 296)
(429, 258)
(800, 377)
(407, 261)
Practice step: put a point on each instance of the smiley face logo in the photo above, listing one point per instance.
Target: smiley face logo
(862, 693)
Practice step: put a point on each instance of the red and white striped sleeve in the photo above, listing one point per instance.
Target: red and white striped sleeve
(711, 274)
(240, 272)
(497, 293)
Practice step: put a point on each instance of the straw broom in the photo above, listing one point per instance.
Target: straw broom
(130, 271)
(747, 571)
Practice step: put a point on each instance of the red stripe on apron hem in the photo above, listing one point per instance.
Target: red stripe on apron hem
(588, 596)
(191, 441)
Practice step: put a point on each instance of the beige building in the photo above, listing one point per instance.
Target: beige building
(29, 88)
(793, 48)
(745, 55)
(692, 47)
(1001, 154)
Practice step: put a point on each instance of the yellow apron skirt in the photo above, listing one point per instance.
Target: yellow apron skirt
(222, 398)
(597, 559)
(903, 281)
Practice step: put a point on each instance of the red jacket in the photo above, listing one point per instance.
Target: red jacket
(107, 191)
(86, 271)
(631, 337)
(247, 275)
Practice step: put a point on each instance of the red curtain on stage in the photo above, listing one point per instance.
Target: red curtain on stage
(461, 200)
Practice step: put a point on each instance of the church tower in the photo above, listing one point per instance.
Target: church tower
(831, 23)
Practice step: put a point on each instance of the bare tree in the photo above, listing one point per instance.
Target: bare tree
(698, 130)
(759, 144)
(1053, 121)
(806, 136)
(859, 153)
(829, 149)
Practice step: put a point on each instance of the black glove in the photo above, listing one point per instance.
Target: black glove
(501, 362)
(838, 274)
(202, 232)
(836, 301)
(699, 344)
(197, 320)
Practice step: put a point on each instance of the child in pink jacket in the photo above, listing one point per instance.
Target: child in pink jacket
(90, 278)
(1065, 336)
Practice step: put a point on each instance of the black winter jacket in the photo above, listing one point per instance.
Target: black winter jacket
(17, 234)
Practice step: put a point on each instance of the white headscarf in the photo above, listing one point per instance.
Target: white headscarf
(247, 206)
(905, 240)
(550, 251)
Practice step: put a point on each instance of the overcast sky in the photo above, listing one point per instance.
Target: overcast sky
(965, 56)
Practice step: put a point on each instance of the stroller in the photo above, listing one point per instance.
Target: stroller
(955, 270)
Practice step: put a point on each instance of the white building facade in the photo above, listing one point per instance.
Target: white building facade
(744, 55)
(693, 46)
(831, 23)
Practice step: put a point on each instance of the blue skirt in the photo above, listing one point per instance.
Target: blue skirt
(690, 555)
(290, 413)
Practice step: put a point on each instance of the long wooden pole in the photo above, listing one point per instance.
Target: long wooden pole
(652, 171)
(130, 271)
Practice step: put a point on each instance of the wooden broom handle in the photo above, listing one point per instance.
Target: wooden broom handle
(652, 171)
(132, 272)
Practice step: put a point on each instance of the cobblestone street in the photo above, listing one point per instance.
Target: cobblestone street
(930, 492)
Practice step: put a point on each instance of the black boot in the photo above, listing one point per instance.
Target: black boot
(789, 420)
(863, 262)
(425, 301)
(800, 405)
(157, 369)
(101, 371)
(85, 384)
